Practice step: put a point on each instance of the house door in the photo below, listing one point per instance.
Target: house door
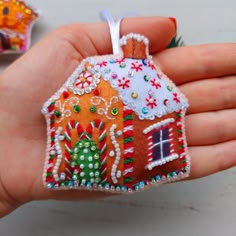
(5, 41)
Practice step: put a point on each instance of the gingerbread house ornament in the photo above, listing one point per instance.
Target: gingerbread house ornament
(116, 125)
(16, 21)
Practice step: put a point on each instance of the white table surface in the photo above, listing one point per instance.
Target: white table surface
(202, 207)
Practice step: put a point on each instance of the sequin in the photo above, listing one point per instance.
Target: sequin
(170, 88)
(166, 102)
(93, 109)
(114, 76)
(146, 78)
(122, 65)
(145, 110)
(115, 111)
(134, 95)
(77, 108)
(57, 113)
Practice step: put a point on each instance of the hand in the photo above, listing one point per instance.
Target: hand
(33, 78)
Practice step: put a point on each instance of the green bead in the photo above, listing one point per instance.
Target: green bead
(93, 109)
(170, 87)
(115, 111)
(77, 108)
(122, 65)
(57, 113)
(146, 78)
(180, 131)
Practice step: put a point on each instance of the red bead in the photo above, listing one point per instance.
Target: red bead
(65, 94)
(96, 92)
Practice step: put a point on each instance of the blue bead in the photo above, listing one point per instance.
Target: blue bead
(71, 183)
(174, 174)
(145, 110)
(142, 184)
(158, 178)
(112, 61)
(144, 61)
(50, 185)
(136, 187)
(123, 189)
(107, 186)
(89, 185)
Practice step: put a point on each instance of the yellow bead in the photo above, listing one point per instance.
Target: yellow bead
(134, 95)
(28, 11)
(83, 80)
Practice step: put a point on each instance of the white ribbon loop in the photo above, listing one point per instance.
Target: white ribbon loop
(114, 30)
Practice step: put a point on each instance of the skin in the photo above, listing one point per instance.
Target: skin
(205, 74)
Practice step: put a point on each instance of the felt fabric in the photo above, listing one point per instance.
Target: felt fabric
(16, 21)
(117, 124)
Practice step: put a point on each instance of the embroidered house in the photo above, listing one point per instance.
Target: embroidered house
(116, 124)
(16, 20)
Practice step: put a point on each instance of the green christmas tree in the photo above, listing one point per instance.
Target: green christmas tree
(85, 159)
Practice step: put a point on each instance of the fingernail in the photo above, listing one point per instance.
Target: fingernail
(174, 22)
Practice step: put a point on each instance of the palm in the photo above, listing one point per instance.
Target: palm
(38, 74)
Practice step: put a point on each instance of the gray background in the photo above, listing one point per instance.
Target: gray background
(202, 207)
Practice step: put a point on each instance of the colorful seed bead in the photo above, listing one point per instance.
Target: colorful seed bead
(65, 94)
(115, 111)
(146, 78)
(96, 92)
(122, 65)
(130, 74)
(145, 110)
(145, 62)
(134, 95)
(93, 109)
(77, 108)
(170, 87)
(166, 102)
(114, 76)
(57, 113)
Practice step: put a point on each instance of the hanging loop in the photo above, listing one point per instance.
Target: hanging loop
(114, 27)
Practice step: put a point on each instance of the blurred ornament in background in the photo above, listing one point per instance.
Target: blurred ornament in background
(16, 22)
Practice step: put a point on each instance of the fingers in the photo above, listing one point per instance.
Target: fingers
(211, 94)
(192, 63)
(211, 127)
(95, 39)
(211, 159)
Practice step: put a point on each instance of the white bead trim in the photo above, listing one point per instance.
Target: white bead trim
(158, 125)
(165, 160)
(59, 154)
(118, 154)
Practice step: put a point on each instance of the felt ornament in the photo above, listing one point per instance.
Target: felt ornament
(117, 124)
(16, 21)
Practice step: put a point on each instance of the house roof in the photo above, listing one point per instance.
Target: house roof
(142, 87)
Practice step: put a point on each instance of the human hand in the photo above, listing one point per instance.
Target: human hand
(33, 78)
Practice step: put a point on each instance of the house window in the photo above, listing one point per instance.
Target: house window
(5, 11)
(160, 144)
